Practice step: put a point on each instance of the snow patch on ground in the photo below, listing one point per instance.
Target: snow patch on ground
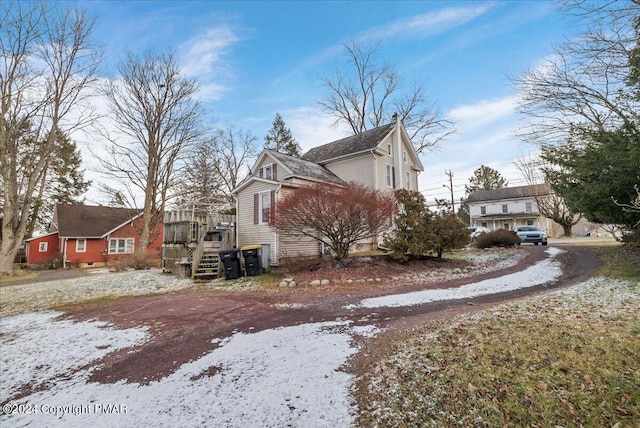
(41, 296)
(37, 348)
(540, 273)
(288, 376)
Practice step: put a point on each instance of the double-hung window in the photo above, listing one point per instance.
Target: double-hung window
(528, 207)
(265, 207)
(505, 209)
(483, 210)
(389, 175)
(268, 172)
(121, 245)
(81, 245)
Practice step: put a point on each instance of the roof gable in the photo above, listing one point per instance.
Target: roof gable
(86, 221)
(509, 193)
(353, 144)
(304, 168)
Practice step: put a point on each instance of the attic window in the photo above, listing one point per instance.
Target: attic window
(404, 157)
(389, 149)
(267, 172)
(43, 247)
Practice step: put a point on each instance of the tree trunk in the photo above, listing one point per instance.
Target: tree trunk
(567, 230)
(7, 255)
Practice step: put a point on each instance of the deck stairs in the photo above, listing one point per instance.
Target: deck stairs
(209, 263)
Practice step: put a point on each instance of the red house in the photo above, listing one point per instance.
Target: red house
(87, 236)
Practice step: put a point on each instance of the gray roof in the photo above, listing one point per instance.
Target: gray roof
(306, 168)
(509, 193)
(364, 141)
(86, 221)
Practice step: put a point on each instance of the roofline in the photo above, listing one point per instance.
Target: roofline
(265, 153)
(415, 154)
(121, 225)
(248, 180)
(41, 236)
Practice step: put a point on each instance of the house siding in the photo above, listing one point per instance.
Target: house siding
(295, 246)
(132, 230)
(249, 233)
(96, 251)
(360, 169)
(36, 257)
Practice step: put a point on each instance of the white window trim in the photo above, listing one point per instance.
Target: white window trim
(528, 207)
(261, 220)
(264, 171)
(388, 175)
(132, 245)
(505, 209)
(43, 246)
(407, 176)
(390, 150)
(84, 246)
(483, 210)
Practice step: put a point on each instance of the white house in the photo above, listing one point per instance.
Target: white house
(383, 158)
(508, 207)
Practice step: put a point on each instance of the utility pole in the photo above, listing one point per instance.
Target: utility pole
(450, 186)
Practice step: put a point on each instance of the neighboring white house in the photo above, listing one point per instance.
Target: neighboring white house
(510, 207)
(383, 158)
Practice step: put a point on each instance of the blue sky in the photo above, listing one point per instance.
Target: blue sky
(255, 58)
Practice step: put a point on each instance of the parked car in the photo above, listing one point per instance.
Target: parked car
(477, 230)
(531, 234)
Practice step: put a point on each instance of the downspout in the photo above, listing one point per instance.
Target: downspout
(375, 169)
(236, 228)
(64, 253)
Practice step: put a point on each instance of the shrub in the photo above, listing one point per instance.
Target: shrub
(139, 260)
(497, 238)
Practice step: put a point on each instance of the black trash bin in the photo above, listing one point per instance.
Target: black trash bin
(252, 255)
(230, 263)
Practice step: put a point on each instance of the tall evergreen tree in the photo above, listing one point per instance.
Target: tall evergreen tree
(279, 138)
(62, 182)
(484, 178)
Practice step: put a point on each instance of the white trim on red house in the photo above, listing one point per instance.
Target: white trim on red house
(131, 220)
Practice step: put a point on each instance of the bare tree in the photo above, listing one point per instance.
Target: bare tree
(366, 93)
(337, 216)
(550, 205)
(156, 119)
(233, 150)
(200, 185)
(48, 65)
(583, 85)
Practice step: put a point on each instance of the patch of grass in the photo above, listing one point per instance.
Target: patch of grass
(619, 262)
(568, 358)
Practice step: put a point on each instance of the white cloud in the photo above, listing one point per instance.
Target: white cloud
(311, 128)
(472, 116)
(428, 23)
(204, 58)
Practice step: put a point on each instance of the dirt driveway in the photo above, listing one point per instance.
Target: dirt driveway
(182, 324)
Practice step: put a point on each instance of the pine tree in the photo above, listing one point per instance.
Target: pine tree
(485, 178)
(279, 138)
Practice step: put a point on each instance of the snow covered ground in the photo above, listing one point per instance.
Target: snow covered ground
(542, 272)
(288, 376)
